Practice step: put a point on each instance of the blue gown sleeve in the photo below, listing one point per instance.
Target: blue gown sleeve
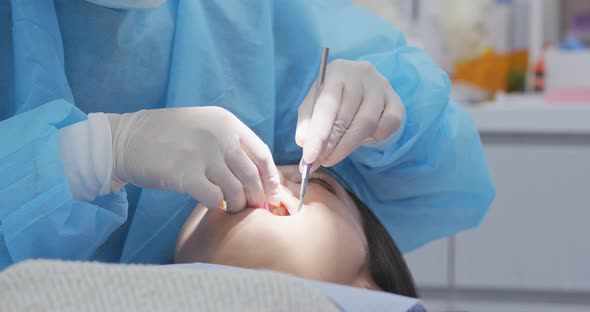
(431, 180)
(38, 217)
(434, 181)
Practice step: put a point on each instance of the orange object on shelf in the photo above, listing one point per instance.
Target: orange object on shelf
(491, 71)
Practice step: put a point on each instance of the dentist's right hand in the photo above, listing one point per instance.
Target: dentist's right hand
(206, 152)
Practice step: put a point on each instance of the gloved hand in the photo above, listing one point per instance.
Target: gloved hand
(357, 105)
(206, 152)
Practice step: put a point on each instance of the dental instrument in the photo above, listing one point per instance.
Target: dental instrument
(318, 86)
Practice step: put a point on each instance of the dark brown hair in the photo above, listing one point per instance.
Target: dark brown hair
(386, 263)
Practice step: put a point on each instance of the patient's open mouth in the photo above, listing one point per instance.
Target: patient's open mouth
(279, 210)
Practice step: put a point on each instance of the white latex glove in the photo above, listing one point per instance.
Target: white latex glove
(357, 105)
(206, 152)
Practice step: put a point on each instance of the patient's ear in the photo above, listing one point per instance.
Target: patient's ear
(364, 280)
(367, 285)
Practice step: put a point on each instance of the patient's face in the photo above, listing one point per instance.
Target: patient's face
(325, 241)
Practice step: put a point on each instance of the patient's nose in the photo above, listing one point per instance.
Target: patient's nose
(289, 175)
(281, 176)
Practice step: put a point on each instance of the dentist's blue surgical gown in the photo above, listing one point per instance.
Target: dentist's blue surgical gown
(63, 59)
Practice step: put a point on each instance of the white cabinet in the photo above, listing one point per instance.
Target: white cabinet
(429, 264)
(511, 307)
(537, 234)
(532, 252)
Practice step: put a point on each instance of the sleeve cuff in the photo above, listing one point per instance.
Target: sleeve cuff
(86, 151)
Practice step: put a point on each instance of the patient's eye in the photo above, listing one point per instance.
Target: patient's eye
(321, 181)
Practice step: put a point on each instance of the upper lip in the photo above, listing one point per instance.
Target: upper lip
(291, 205)
(287, 200)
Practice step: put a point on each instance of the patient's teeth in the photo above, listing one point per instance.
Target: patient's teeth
(279, 210)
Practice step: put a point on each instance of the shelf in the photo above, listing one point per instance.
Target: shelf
(531, 115)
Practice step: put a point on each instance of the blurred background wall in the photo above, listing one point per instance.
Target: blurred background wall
(521, 68)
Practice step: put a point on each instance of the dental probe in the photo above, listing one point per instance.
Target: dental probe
(318, 87)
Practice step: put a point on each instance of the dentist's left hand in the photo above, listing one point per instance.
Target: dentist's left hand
(206, 152)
